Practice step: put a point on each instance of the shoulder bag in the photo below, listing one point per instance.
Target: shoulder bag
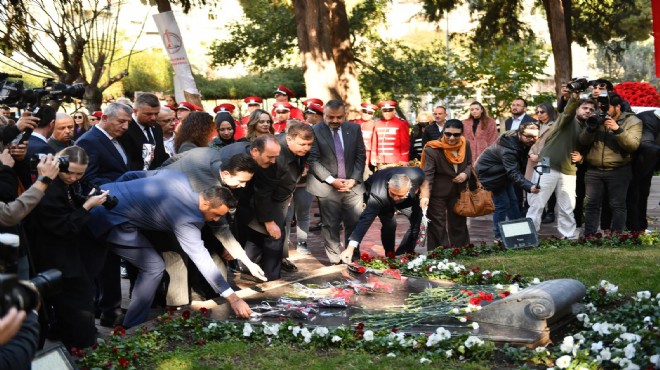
(478, 202)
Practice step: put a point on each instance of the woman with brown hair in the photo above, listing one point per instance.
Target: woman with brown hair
(446, 163)
(193, 132)
(480, 130)
(260, 122)
(82, 124)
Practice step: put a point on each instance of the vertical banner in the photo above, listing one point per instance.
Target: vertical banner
(655, 8)
(184, 83)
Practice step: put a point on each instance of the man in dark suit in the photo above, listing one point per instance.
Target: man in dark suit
(107, 162)
(38, 141)
(336, 166)
(518, 116)
(144, 129)
(434, 130)
(273, 188)
(393, 189)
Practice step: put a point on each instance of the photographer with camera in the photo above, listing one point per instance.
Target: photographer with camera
(54, 234)
(19, 339)
(612, 136)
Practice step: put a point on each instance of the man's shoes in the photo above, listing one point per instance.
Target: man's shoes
(123, 271)
(548, 218)
(111, 321)
(316, 227)
(288, 266)
(301, 248)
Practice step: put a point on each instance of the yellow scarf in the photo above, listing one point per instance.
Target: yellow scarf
(450, 150)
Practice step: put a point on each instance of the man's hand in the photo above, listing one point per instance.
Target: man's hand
(6, 159)
(27, 121)
(565, 92)
(339, 184)
(347, 255)
(10, 324)
(460, 178)
(611, 124)
(48, 166)
(423, 202)
(273, 230)
(241, 309)
(255, 270)
(534, 189)
(18, 152)
(576, 157)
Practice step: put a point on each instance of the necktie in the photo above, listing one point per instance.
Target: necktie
(150, 137)
(341, 165)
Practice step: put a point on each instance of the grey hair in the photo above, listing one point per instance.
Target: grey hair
(113, 108)
(400, 181)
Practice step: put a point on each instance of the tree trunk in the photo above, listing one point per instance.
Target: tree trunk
(560, 40)
(325, 50)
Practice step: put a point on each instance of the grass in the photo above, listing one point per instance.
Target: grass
(632, 269)
(234, 355)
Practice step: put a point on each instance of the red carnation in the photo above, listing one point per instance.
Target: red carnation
(123, 362)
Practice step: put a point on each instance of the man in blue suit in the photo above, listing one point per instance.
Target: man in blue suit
(336, 166)
(38, 141)
(142, 207)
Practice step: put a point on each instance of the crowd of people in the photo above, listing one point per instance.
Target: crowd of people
(158, 186)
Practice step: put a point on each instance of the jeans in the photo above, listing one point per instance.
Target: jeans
(506, 206)
(616, 182)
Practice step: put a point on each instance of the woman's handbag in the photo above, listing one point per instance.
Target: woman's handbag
(474, 203)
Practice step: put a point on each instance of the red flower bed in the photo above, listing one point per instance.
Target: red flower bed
(638, 94)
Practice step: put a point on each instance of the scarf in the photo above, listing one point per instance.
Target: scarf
(449, 150)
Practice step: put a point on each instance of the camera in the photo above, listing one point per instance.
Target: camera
(23, 294)
(35, 159)
(578, 84)
(600, 116)
(13, 93)
(110, 202)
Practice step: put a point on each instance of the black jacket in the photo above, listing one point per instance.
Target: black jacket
(132, 141)
(502, 163)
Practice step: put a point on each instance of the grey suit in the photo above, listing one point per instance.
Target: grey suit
(336, 207)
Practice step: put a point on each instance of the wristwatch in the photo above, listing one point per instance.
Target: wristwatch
(45, 179)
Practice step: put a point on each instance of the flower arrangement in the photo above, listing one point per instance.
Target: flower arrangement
(638, 94)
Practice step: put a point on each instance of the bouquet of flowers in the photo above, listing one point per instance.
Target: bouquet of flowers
(638, 94)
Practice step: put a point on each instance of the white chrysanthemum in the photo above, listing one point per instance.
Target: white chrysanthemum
(247, 329)
(473, 341)
(321, 331)
(630, 350)
(368, 335)
(335, 339)
(563, 362)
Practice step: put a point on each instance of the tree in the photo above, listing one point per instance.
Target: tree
(74, 40)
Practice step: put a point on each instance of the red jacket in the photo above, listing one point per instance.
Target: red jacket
(390, 142)
(367, 133)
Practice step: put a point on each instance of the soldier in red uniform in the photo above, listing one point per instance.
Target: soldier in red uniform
(281, 113)
(366, 122)
(390, 143)
(253, 103)
(313, 110)
(282, 95)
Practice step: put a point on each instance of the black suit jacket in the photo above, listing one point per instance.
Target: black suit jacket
(323, 158)
(648, 154)
(509, 121)
(38, 146)
(432, 132)
(132, 141)
(105, 162)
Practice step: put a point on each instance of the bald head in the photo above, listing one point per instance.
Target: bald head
(63, 129)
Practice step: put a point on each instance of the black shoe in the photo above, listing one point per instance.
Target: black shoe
(316, 227)
(548, 218)
(111, 321)
(288, 266)
(301, 248)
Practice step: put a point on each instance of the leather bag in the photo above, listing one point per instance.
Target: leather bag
(478, 202)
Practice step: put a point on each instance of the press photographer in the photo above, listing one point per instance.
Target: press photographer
(612, 138)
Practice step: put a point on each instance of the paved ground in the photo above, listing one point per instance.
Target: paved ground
(480, 230)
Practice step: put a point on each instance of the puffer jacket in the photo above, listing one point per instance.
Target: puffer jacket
(501, 163)
(612, 149)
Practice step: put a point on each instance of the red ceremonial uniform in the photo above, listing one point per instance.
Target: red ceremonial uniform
(367, 132)
(241, 128)
(279, 127)
(390, 142)
(294, 113)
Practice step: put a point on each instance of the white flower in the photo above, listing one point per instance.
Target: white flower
(295, 331)
(485, 272)
(306, 334)
(247, 329)
(473, 341)
(496, 272)
(590, 307)
(499, 286)
(644, 295)
(439, 335)
(567, 345)
(597, 346)
(601, 328)
(335, 339)
(647, 320)
(630, 337)
(271, 329)
(321, 331)
(423, 360)
(368, 335)
(391, 354)
(539, 349)
(628, 365)
(462, 319)
(563, 362)
(513, 288)
(606, 354)
(455, 311)
(475, 325)
(536, 281)
(449, 353)
(655, 360)
(212, 326)
(629, 350)
(609, 287)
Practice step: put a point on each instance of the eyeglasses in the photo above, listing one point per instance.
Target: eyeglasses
(386, 110)
(454, 134)
(540, 112)
(166, 120)
(265, 121)
(77, 117)
(530, 137)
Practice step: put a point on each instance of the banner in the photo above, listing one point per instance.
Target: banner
(655, 8)
(173, 43)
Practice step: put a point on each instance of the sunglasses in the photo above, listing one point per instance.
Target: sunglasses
(530, 137)
(540, 112)
(454, 134)
(265, 121)
(78, 117)
(367, 112)
(423, 123)
(281, 111)
(388, 110)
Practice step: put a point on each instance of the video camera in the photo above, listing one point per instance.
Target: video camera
(599, 117)
(35, 159)
(578, 84)
(23, 294)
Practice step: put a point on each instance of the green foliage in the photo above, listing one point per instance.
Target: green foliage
(149, 71)
(602, 22)
(260, 84)
(634, 63)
